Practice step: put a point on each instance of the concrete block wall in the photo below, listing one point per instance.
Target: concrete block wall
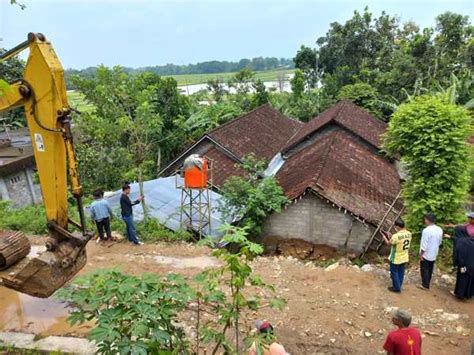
(19, 188)
(314, 220)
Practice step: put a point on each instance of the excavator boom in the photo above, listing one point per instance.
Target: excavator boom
(42, 92)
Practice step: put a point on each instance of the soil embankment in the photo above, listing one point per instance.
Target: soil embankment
(338, 310)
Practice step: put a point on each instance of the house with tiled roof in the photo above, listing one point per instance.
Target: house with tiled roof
(263, 132)
(17, 168)
(338, 180)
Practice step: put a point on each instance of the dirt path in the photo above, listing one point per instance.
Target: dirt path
(340, 311)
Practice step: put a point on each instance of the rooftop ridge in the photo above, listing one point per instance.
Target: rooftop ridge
(341, 114)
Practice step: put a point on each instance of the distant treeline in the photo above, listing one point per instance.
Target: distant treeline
(210, 67)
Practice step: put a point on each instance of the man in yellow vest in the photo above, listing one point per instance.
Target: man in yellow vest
(398, 258)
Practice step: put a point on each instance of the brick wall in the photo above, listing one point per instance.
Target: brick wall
(318, 222)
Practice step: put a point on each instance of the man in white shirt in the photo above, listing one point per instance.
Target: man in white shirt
(431, 239)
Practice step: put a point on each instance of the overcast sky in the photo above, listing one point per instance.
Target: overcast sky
(140, 33)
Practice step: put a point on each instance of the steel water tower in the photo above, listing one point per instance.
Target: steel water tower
(195, 194)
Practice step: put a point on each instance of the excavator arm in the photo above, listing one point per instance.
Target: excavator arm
(42, 93)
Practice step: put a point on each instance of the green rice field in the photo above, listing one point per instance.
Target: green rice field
(193, 79)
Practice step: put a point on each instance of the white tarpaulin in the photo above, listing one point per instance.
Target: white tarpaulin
(164, 203)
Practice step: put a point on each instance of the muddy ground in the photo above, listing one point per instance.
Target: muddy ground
(336, 310)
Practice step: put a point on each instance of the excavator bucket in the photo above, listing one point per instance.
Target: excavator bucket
(42, 275)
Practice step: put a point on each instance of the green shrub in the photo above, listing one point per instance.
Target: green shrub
(431, 135)
(253, 197)
(133, 315)
(363, 95)
(151, 230)
(117, 225)
(139, 315)
(30, 219)
(224, 292)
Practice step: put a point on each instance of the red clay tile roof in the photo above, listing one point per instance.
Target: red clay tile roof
(341, 164)
(263, 131)
(348, 115)
(223, 166)
(344, 171)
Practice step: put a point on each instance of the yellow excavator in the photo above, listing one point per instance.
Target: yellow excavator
(42, 93)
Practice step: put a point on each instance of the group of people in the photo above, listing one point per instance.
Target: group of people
(101, 214)
(431, 239)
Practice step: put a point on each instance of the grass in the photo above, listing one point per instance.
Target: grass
(32, 220)
(193, 79)
(77, 101)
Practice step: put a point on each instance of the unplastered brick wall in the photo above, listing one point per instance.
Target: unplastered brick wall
(318, 222)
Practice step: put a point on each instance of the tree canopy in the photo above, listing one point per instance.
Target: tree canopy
(431, 136)
(11, 70)
(134, 126)
(396, 59)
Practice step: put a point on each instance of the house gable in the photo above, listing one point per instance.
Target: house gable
(345, 114)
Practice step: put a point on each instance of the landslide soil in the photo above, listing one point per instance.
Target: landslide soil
(340, 311)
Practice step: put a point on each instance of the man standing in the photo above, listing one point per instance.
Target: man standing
(127, 213)
(398, 258)
(101, 214)
(431, 239)
(405, 340)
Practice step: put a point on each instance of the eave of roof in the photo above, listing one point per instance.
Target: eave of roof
(11, 164)
(340, 169)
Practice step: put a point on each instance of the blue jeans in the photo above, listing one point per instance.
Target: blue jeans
(131, 233)
(397, 273)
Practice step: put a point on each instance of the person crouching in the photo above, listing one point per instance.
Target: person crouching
(265, 329)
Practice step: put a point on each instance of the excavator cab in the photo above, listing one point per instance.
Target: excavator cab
(42, 93)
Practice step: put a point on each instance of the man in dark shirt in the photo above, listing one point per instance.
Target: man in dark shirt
(127, 213)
